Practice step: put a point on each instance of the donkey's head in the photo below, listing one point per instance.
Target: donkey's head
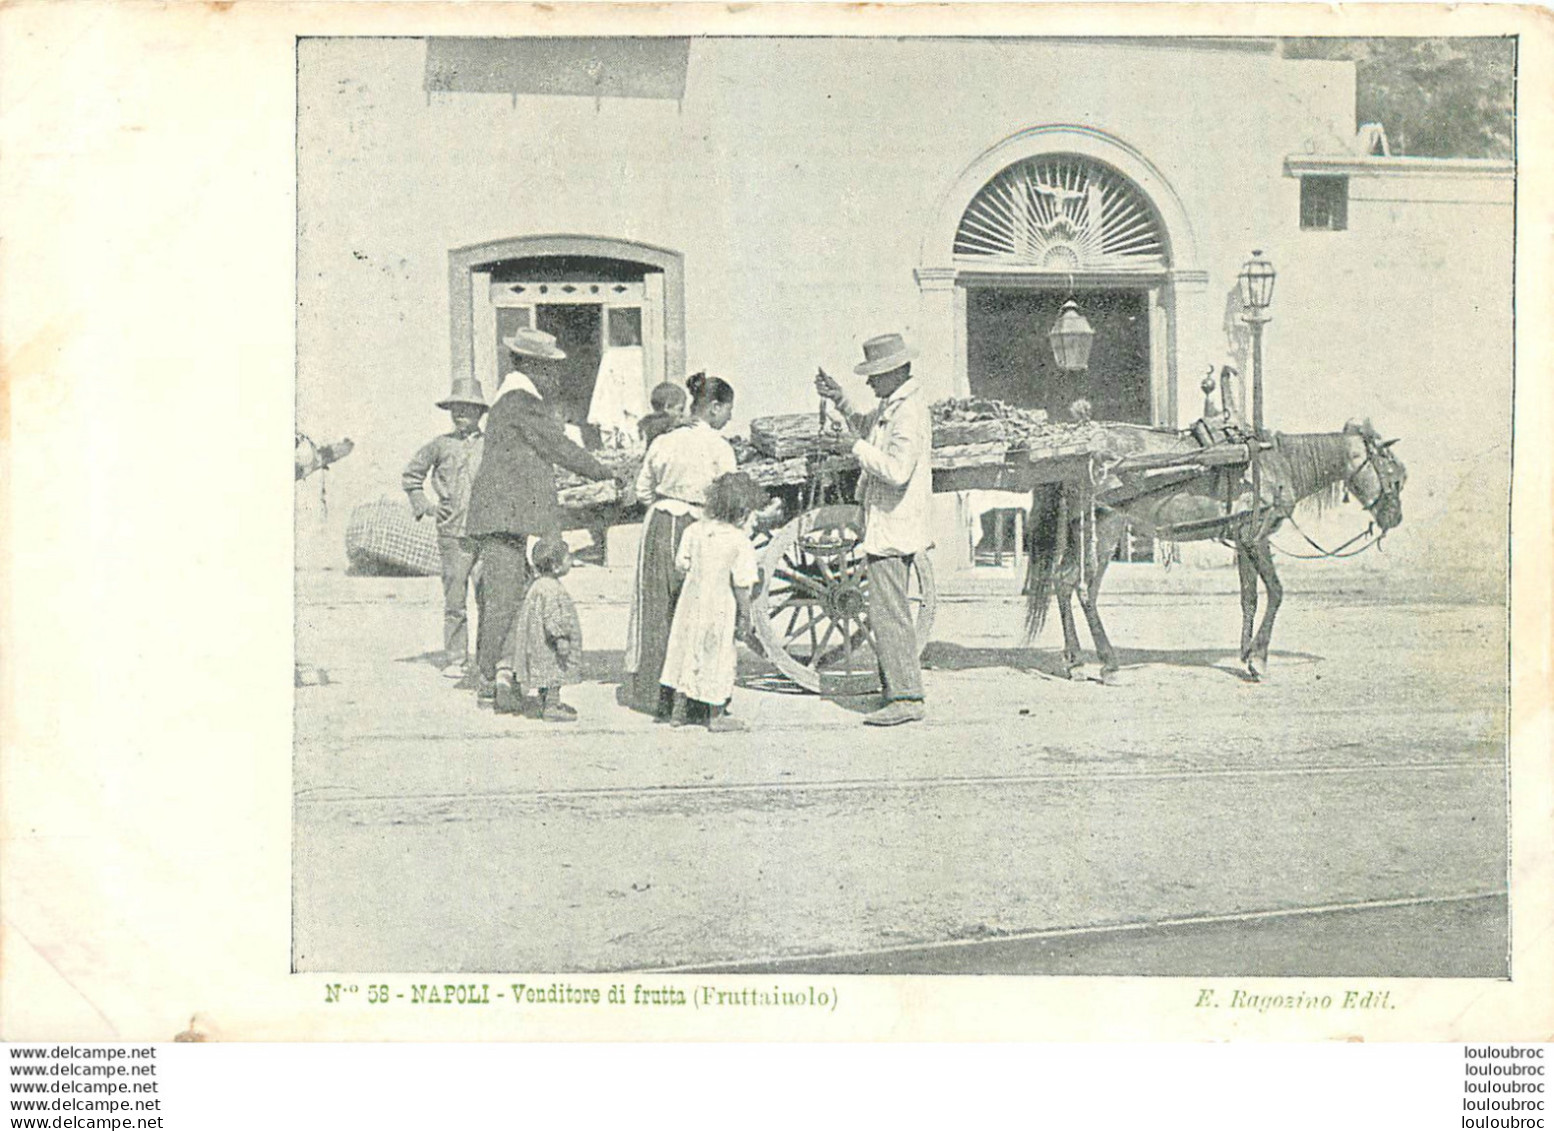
(1375, 476)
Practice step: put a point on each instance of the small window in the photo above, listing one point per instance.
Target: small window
(1324, 203)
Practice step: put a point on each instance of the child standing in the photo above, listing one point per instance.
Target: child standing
(714, 608)
(450, 461)
(668, 401)
(547, 640)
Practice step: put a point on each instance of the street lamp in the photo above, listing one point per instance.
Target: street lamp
(1071, 337)
(1256, 281)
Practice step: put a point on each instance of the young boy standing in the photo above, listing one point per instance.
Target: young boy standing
(450, 461)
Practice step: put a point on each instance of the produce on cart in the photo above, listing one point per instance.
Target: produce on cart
(810, 612)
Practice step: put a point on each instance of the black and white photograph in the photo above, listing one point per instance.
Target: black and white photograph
(760, 535)
(949, 504)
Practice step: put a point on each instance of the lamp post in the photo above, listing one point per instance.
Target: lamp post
(1070, 337)
(1256, 281)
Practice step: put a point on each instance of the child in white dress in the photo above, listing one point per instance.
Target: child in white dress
(714, 608)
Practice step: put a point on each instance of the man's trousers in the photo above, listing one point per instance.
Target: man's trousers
(895, 636)
(504, 582)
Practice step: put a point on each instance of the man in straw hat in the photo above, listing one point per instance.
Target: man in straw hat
(891, 435)
(450, 462)
(514, 494)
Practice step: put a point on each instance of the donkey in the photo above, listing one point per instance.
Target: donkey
(1070, 542)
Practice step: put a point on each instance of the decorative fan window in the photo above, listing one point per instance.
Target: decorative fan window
(1061, 212)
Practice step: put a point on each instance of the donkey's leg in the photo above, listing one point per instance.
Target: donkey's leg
(1064, 579)
(1248, 573)
(1064, 583)
(1108, 534)
(1262, 558)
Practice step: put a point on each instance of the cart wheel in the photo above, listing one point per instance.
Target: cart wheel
(811, 616)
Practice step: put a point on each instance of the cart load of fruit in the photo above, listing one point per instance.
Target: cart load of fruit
(970, 421)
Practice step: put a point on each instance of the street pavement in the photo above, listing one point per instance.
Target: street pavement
(1031, 824)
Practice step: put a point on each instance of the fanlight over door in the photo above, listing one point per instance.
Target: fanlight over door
(1060, 212)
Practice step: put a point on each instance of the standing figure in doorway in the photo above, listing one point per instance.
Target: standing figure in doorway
(514, 494)
(679, 468)
(891, 436)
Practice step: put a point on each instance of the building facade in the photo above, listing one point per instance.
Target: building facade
(758, 207)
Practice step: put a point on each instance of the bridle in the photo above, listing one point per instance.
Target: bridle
(1375, 452)
(1379, 459)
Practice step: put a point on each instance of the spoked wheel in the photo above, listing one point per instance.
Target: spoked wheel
(811, 616)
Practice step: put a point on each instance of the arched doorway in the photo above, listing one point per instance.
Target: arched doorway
(1044, 230)
(1051, 213)
(615, 306)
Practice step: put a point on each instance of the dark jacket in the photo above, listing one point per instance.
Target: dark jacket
(515, 489)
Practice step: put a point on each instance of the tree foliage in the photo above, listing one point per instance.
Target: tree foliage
(1435, 97)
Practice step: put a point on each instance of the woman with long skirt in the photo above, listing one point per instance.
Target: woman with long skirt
(679, 467)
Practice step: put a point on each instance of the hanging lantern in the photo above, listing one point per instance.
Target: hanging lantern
(1256, 279)
(1071, 337)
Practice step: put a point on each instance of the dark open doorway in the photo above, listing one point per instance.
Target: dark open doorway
(1008, 357)
(577, 328)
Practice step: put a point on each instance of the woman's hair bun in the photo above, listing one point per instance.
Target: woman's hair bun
(695, 383)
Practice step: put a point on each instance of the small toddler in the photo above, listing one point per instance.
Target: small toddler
(547, 640)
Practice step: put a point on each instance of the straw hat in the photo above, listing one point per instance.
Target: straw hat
(534, 343)
(466, 390)
(884, 353)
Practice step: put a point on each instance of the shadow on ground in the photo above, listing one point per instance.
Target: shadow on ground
(944, 656)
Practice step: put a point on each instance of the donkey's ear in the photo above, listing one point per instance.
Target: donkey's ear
(1386, 445)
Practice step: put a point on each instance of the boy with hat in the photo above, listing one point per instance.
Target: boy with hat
(450, 461)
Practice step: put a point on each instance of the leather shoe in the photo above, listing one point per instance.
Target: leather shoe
(895, 713)
(508, 699)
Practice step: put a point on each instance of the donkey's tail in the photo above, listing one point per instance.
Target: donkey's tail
(1045, 535)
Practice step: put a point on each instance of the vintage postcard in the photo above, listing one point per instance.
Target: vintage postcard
(938, 522)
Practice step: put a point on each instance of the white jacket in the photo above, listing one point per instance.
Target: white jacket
(896, 454)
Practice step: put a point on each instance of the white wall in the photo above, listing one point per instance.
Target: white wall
(799, 178)
(1406, 318)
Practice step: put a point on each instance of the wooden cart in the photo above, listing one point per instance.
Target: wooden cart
(810, 610)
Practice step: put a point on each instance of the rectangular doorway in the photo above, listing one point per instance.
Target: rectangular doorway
(1009, 358)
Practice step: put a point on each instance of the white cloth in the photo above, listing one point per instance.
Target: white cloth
(519, 382)
(702, 659)
(896, 454)
(682, 463)
(619, 399)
